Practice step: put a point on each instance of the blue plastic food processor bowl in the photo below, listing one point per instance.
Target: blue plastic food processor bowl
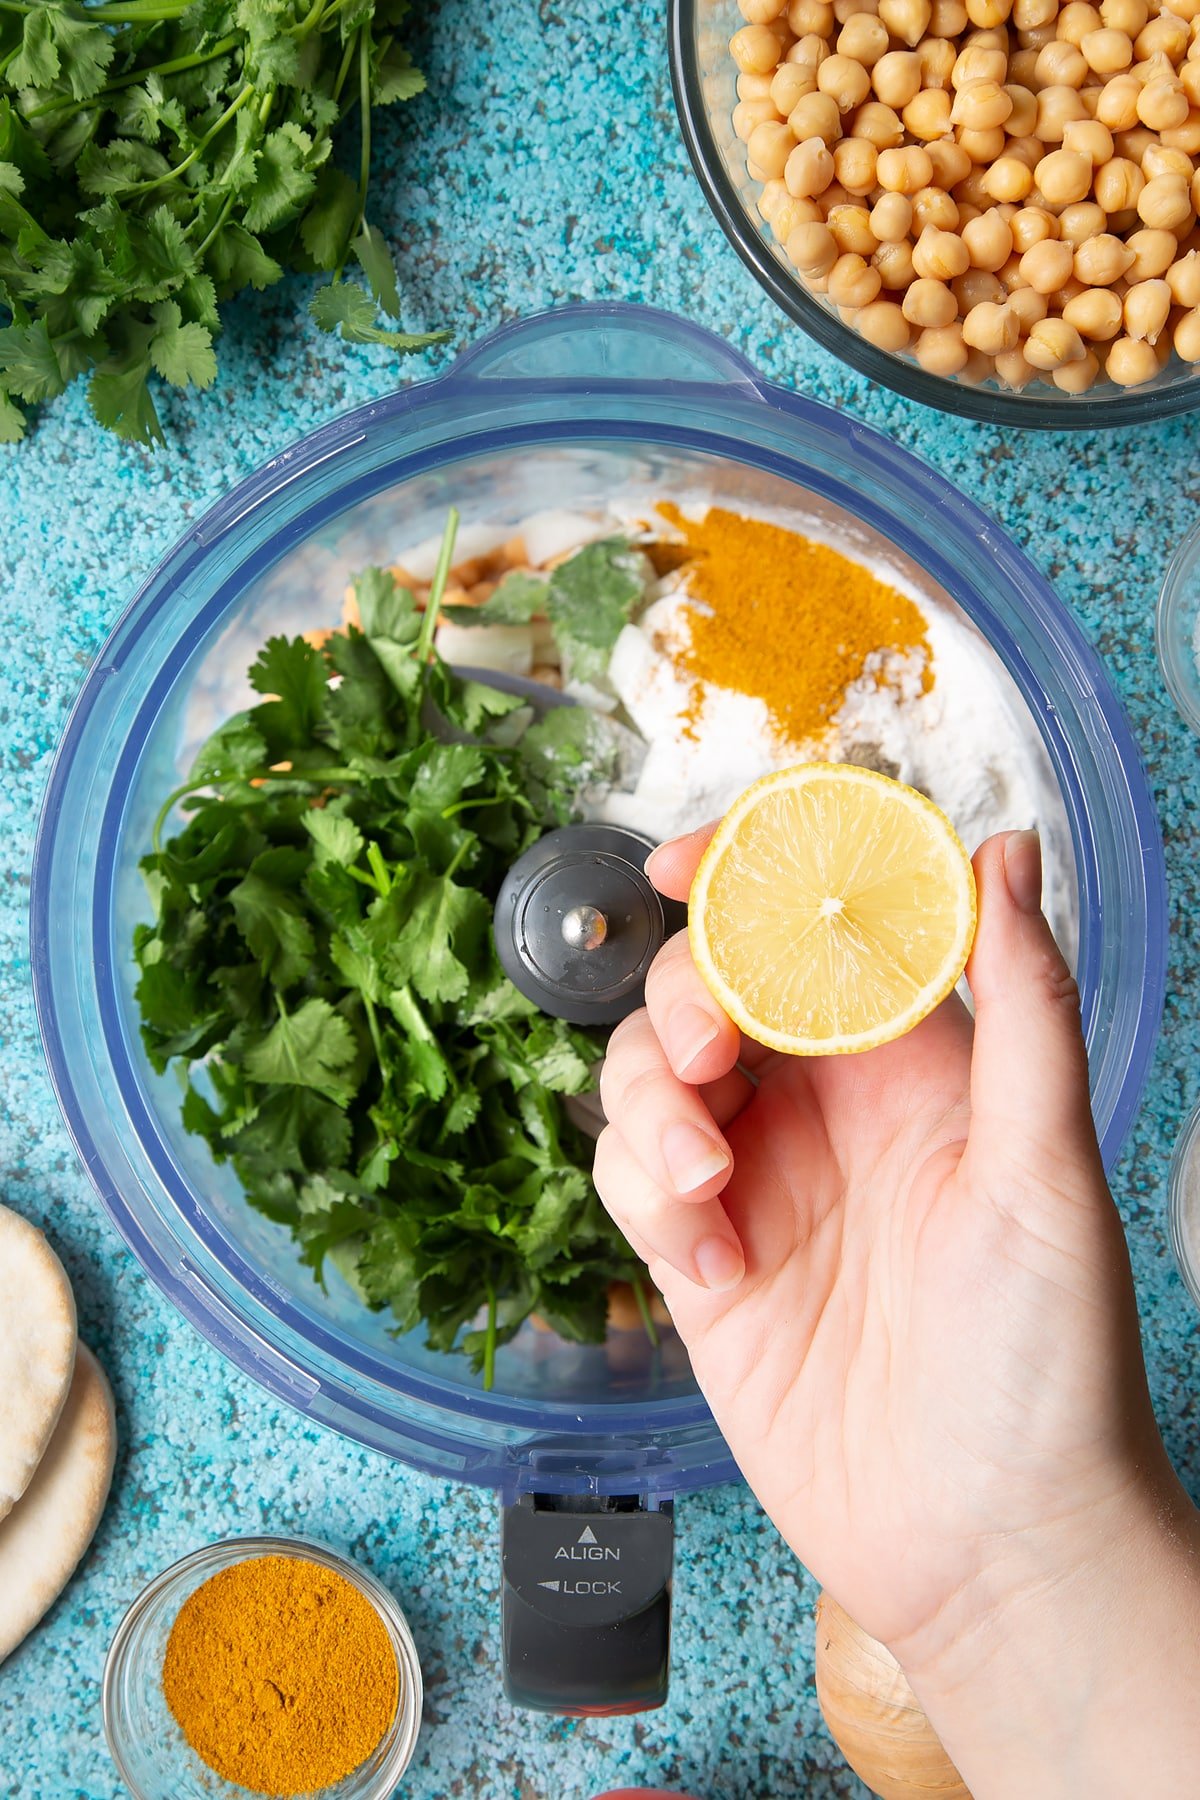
(565, 409)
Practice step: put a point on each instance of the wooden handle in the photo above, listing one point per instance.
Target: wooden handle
(874, 1717)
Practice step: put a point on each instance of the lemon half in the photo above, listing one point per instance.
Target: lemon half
(832, 911)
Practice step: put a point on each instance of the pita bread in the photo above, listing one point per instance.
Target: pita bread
(52, 1524)
(37, 1351)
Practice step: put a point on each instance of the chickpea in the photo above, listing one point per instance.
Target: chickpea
(1134, 143)
(878, 124)
(1012, 370)
(813, 249)
(789, 85)
(940, 350)
(976, 286)
(1194, 192)
(1153, 253)
(934, 206)
(948, 19)
(1117, 105)
(1164, 202)
(1107, 52)
(1056, 107)
(883, 324)
(891, 218)
(940, 254)
(1183, 280)
(1160, 159)
(990, 327)
(1189, 77)
(1029, 307)
(981, 106)
(1124, 15)
(804, 16)
(755, 49)
(770, 145)
(1088, 137)
(809, 53)
(1162, 104)
(1147, 307)
(1118, 184)
(978, 62)
(1078, 223)
(929, 303)
(768, 202)
(1022, 68)
(937, 59)
(754, 87)
(835, 195)
(809, 169)
(748, 115)
(760, 12)
(816, 116)
(1027, 15)
(1048, 266)
(1101, 260)
(845, 81)
(1075, 20)
(907, 20)
(987, 13)
(1023, 117)
(1008, 179)
(1186, 336)
(1032, 225)
(1063, 177)
(854, 166)
(904, 171)
(989, 241)
(928, 114)
(896, 78)
(851, 228)
(1052, 342)
(790, 213)
(852, 281)
(1166, 35)
(951, 164)
(864, 39)
(1185, 137)
(1077, 377)
(895, 265)
(1130, 362)
(1095, 314)
(842, 9)
(1061, 65)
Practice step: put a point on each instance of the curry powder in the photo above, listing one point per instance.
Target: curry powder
(281, 1675)
(784, 619)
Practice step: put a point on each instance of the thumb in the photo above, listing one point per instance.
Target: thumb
(1030, 1101)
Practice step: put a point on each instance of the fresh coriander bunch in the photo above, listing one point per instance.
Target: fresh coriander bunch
(155, 159)
(322, 972)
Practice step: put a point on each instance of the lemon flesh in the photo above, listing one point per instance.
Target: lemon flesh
(832, 911)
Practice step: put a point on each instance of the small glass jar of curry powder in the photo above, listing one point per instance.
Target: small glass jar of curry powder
(264, 1666)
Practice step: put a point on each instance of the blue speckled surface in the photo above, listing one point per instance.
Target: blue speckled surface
(543, 165)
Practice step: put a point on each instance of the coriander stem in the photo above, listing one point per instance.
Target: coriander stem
(489, 1343)
(373, 1023)
(379, 868)
(343, 70)
(437, 588)
(226, 209)
(175, 67)
(643, 1306)
(364, 102)
(145, 187)
(456, 859)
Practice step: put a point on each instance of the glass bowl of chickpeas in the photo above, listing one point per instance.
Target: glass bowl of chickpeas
(988, 205)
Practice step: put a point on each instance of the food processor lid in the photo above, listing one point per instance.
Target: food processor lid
(578, 922)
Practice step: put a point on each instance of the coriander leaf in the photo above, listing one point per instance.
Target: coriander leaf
(270, 918)
(326, 227)
(12, 421)
(29, 366)
(394, 78)
(343, 306)
(182, 354)
(443, 930)
(36, 64)
(119, 167)
(385, 609)
(336, 839)
(238, 260)
(293, 674)
(592, 597)
(283, 178)
(234, 749)
(85, 51)
(160, 253)
(516, 600)
(178, 1017)
(312, 1047)
(119, 397)
(375, 260)
(11, 179)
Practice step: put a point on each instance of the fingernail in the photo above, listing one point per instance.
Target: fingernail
(692, 1157)
(1023, 870)
(648, 867)
(690, 1031)
(719, 1264)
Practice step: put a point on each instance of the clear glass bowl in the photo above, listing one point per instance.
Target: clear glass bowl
(1185, 1246)
(704, 78)
(155, 1760)
(563, 410)
(1177, 628)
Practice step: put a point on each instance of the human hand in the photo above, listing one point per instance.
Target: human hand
(929, 1369)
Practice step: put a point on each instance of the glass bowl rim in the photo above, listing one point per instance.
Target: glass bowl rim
(1128, 407)
(226, 1553)
(1171, 600)
(1187, 1143)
